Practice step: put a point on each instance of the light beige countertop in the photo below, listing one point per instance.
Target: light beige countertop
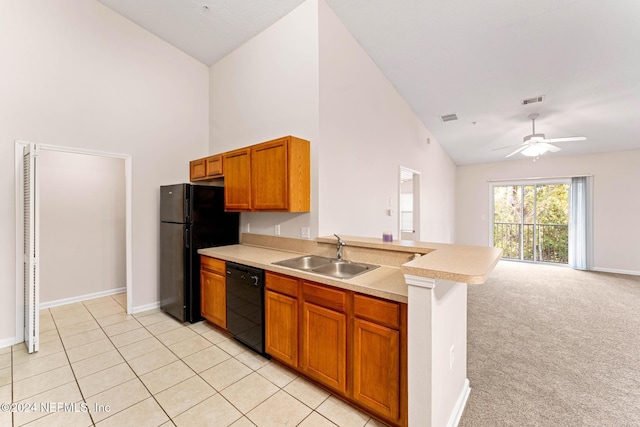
(383, 282)
(459, 263)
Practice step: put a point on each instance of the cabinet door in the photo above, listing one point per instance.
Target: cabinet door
(237, 180)
(214, 166)
(197, 170)
(281, 327)
(324, 346)
(269, 172)
(213, 298)
(376, 367)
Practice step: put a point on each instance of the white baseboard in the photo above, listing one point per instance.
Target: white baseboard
(454, 419)
(145, 307)
(85, 297)
(613, 270)
(8, 342)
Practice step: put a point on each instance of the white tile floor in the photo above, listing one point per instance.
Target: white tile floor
(98, 366)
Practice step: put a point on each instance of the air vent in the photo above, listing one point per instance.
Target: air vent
(449, 117)
(533, 100)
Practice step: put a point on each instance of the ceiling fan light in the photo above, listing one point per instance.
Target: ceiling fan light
(534, 150)
(536, 137)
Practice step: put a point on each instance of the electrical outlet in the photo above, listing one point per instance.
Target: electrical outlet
(451, 356)
(276, 230)
(305, 232)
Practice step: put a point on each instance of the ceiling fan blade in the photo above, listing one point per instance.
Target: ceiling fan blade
(566, 139)
(507, 146)
(517, 151)
(549, 147)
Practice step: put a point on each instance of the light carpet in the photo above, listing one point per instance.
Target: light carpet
(553, 346)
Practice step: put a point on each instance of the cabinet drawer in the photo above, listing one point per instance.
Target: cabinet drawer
(382, 312)
(212, 264)
(325, 296)
(282, 284)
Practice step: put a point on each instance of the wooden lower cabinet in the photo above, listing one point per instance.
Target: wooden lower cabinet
(324, 345)
(376, 367)
(213, 291)
(353, 344)
(281, 331)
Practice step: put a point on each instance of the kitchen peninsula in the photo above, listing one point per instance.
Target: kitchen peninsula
(427, 282)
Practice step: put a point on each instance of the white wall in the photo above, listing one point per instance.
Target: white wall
(368, 131)
(266, 89)
(82, 226)
(75, 73)
(616, 201)
(307, 76)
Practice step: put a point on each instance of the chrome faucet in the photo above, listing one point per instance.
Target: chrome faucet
(341, 243)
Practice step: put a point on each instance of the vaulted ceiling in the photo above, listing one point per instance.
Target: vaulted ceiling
(475, 59)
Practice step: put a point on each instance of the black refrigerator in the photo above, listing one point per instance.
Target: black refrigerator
(192, 217)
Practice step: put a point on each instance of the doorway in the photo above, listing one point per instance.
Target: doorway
(531, 221)
(409, 204)
(43, 155)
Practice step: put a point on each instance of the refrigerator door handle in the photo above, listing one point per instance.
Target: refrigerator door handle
(187, 240)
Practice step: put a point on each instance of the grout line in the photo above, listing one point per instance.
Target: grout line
(125, 361)
(198, 374)
(13, 422)
(71, 367)
(181, 359)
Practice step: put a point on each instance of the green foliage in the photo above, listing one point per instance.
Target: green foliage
(525, 212)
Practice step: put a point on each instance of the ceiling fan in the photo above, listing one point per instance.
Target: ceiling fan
(536, 144)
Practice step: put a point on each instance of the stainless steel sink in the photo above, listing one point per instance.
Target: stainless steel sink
(343, 269)
(331, 267)
(307, 262)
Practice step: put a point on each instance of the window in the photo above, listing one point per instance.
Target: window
(531, 221)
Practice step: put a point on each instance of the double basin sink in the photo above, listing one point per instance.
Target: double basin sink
(331, 267)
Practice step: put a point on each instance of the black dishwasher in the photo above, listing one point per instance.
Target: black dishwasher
(245, 305)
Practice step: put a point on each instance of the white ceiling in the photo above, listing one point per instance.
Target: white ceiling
(477, 59)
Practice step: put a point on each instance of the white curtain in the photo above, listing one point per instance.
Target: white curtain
(580, 223)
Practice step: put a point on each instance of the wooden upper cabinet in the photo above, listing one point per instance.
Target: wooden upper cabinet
(214, 166)
(269, 176)
(274, 176)
(280, 175)
(237, 180)
(206, 169)
(197, 170)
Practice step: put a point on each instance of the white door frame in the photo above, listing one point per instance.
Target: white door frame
(20, 226)
(416, 203)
